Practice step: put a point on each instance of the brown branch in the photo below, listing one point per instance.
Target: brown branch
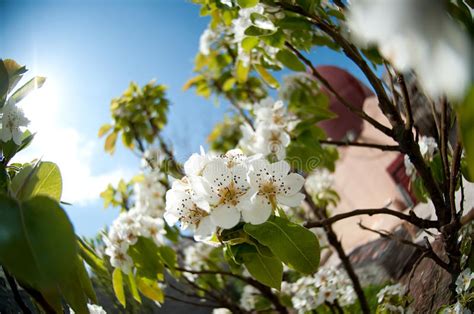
(394, 148)
(16, 294)
(406, 102)
(411, 218)
(326, 84)
(190, 302)
(428, 249)
(455, 165)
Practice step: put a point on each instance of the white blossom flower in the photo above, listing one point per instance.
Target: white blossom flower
(196, 163)
(248, 299)
(271, 184)
(227, 2)
(243, 21)
(125, 231)
(181, 207)
(410, 170)
(418, 35)
(206, 40)
(196, 256)
(319, 182)
(150, 193)
(271, 140)
(221, 310)
(428, 147)
(463, 282)
(153, 155)
(389, 291)
(93, 309)
(224, 190)
(13, 118)
(271, 112)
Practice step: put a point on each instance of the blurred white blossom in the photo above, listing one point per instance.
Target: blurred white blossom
(13, 118)
(418, 35)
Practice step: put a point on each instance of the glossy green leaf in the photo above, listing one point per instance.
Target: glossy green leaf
(133, 288)
(466, 121)
(290, 60)
(267, 270)
(90, 257)
(266, 76)
(73, 291)
(293, 244)
(37, 241)
(147, 259)
(241, 72)
(30, 86)
(151, 290)
(247, 3)
(257, 32)
(104, 129)
(42, 179)
(248, 43)
(117, 283)
(110, 140)
(168, 256)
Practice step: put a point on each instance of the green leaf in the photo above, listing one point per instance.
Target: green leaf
(42, 179)
(248, 43)
(146, 258)
(247, 3)
(168, 256)
(266, 76)
(241, 72)
(257, 32)
(10, 149)
(293, 244)
(290, 60)
(37, 242)
(104, 129)
(110, 141)
(267, 270)
(466, 118)
(30, 86)
(117, 282)
(90, 257)
(133, 288)
(151, 290)
(73, 290)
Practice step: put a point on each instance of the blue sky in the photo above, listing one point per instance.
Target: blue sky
(90, 51)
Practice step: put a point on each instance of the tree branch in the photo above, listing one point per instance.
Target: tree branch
(406, 102)
(326, 84)
(411, 218)
(394, 148)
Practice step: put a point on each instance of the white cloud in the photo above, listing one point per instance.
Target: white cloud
(71, 151)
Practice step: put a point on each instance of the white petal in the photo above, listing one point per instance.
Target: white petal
(259, 211)
(240, 176)
(217, 174)
(292, 201)
(280, 168)
(225, 216)
(293, 183)
(205, 229)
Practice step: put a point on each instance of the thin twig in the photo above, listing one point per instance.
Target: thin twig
(411, 218)
(349, 106)
(429, 250)
(394, 148)
(455, 165)
(16, 294)
(406, 102)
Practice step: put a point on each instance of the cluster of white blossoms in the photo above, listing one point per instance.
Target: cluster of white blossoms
(272, 124)
(195, 257)
(464, 289)
(329, 284)
(93, 309)
(12, 120)
(249, 298)
(385, 298)
(150, 194)
(319, 182)
(219, 191)
(124, 233)
(416, 35)
(428, 148)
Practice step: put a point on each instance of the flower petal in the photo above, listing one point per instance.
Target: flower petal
(225, 216)
(217, 174)
(293, 183)
(205, 229)
(291, 200)
(259, 211)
